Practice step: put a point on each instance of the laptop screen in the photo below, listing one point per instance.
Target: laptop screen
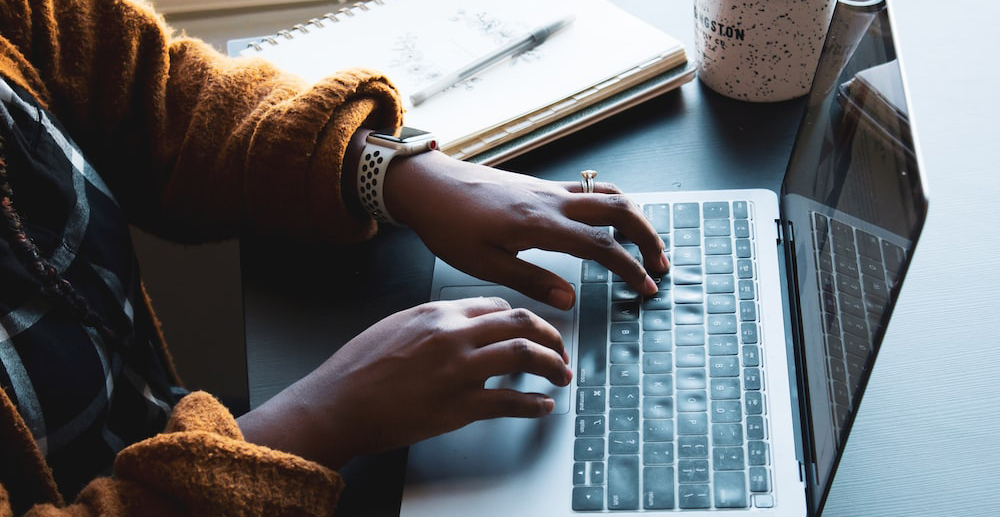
(854, 205)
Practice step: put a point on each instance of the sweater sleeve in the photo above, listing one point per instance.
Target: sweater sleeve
(200, 465)
(196, 146)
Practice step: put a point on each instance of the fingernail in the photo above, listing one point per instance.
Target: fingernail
(548, 404)
(569, 376)
(650, 287)
(560, 298)
(664, 261)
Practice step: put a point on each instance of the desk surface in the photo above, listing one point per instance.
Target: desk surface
(924, 442)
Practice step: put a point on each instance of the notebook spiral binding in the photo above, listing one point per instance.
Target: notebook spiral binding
(316, 23)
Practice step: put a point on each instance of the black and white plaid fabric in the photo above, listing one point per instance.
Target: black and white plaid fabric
(83, 399)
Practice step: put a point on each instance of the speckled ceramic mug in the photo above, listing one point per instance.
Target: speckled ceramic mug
(760, 50)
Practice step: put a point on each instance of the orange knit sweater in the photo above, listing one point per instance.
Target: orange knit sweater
(196, 147)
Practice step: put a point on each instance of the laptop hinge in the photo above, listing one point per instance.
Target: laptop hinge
(780, 230)
(802, 472)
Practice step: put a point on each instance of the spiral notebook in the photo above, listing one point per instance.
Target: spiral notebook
(606, 60)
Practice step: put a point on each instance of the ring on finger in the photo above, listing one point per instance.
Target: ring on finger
(587, 183)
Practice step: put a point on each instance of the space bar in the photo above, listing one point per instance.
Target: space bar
(592, 343)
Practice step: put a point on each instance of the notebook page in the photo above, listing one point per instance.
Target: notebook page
(415, 41)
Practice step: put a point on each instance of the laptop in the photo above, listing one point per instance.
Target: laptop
(735, 387)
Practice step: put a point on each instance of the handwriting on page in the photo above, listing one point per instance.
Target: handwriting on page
(412, 55)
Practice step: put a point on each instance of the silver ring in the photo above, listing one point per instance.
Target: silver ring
(588, 181)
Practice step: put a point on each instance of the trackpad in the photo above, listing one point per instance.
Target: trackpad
(561, 320)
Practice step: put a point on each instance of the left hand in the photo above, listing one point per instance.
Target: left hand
(478, 218)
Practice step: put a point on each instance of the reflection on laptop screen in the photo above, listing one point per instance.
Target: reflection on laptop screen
(855, 204)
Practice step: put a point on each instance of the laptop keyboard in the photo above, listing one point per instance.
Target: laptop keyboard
(670, 397)
(856, 274)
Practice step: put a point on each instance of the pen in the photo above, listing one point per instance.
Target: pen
(523, 44)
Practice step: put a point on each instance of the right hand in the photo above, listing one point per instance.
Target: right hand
(415, 374)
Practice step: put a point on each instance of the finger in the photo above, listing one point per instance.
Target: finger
(497, 403)
(619, 211)
(586, 241)
(478, 306)
(520, 355)
(600, 187)
(504, 268)
(516, 323)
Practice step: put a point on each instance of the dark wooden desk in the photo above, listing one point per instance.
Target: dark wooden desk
(924, 442)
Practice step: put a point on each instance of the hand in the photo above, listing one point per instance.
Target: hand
(478, 218)
(411, 376)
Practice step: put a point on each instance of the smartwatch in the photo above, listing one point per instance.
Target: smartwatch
(381, 146)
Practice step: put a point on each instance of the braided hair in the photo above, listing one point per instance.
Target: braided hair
(54, 285)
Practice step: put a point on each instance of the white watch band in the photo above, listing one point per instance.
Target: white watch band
(371, 179)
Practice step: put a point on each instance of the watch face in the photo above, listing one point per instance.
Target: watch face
(401, 134)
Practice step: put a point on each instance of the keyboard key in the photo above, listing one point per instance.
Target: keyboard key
(719, 284)
(586, 498)
(626, 374)
(724, 366)
(588, 449)
(658, 407)
(692, 471)
(727, 434)
(658, 453)
(690, 335)
(658, 341)
(694, 496)
(657, 362)
(751, 355)
(751, 379)
(716, 210)
(622, 291)
(746, 290)
(624, 397)
(716, 228)
(740, 210)
(754, 403)
(718, 246)
(687, 215)
(688, 237)
(660, 300)
(623, 442)
(723, 345)
(658, 215)
(748, 311)
(590, 425)
(757, 453)
(686, 256)
(728, 458)
(658, 430)
(741, 228)
(692, 400)
(594, 272)
(687, 275)
(692, 423)
(730, 490)
(718, 264)
(658, 488)
(625, 310)
(689, 314)
(748, 333)
(597, 472)
(692, 446)
(691, 378)
(684, 294)
(579, 473)
(625, 353)
(657, 320)
(689, 357)
(623, 482)
(592, 348)
(743, 248)
(755, 428)
(744, 268)
(722, 324)
(624, 419)
(726, 389)
(624, 331)
(656, 385)
(721, 304)
(760, 480)
(590, 401)
(726, 411)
